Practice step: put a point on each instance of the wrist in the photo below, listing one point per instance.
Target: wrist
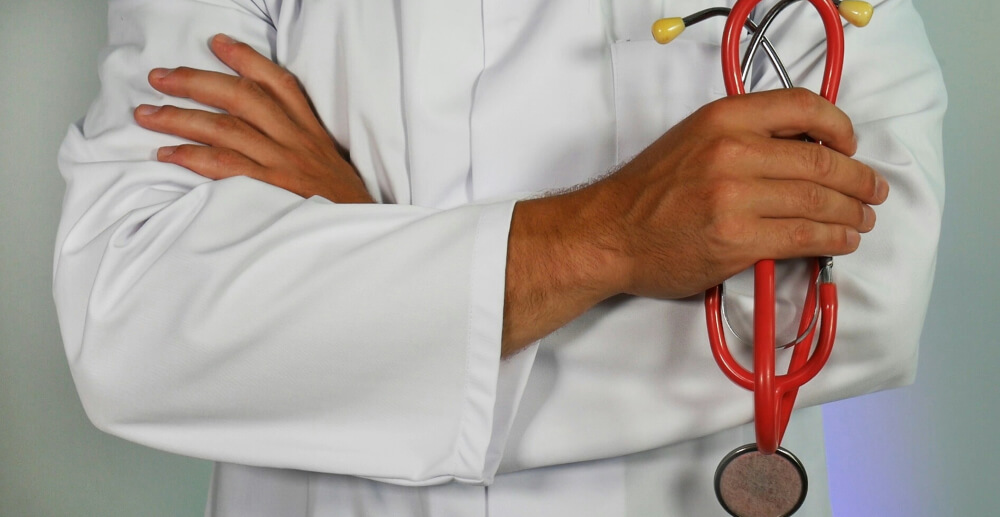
(577, 241)
(561, 262)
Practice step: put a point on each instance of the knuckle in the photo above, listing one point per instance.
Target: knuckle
(226, 124)
(804, 100)
(726, 234)
(179, 154)
(285, 80)
(723, 150)
(801, 235)
(167, 112)
(722, 195)
(278, 178)
(302, 163)
(711, 111)
(718, 112)
(311, 149)
(242, 48)
(320, 147)
(226, 161)
(249, 87)
(169, 117)
(728, 229)
(821, 161)
(291, 159)
(182, 73)
(812, 198)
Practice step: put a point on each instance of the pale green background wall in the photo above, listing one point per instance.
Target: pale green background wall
(932, 449)
(53, 463)
(927, 450)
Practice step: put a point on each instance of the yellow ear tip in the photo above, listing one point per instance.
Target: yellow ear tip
(856, 13)
(666, 29)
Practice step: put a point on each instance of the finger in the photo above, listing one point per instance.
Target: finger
(807, 200)
(790, 113)
(240, 97)
(799, 238)
(797, 160)
(211, 162)
(274, 79)
(213, 129)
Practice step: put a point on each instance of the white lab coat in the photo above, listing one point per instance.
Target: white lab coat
(348, 356)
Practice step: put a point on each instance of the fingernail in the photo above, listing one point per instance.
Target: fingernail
(222, 38)
(881, 188)
(869, 221)
(146, 110)
(853, 238)
(159, 73)
(165, 152)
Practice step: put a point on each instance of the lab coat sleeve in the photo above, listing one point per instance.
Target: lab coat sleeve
(894, 93)
(234, 321)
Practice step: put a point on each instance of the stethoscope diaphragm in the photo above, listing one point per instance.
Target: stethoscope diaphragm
(750, 483)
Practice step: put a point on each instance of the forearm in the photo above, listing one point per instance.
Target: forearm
(263, 335)
(558, 266)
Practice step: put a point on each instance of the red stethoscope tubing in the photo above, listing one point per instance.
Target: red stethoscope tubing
(774, 395)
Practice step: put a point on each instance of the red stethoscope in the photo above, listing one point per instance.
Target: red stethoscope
(763, 478)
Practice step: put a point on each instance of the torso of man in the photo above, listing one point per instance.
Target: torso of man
(452, 107)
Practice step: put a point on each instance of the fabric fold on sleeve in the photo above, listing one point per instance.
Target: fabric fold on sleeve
(234, 321)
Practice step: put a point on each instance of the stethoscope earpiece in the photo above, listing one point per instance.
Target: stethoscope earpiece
(666, 29)
(856, 13)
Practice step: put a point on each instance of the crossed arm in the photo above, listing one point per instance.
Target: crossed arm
(722, 189)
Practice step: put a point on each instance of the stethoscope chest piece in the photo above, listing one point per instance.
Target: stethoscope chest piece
(750, 483)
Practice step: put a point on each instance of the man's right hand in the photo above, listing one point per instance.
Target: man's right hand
(728, 186)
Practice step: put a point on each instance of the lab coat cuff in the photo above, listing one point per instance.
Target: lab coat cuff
(512, 379)
(494, 384)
